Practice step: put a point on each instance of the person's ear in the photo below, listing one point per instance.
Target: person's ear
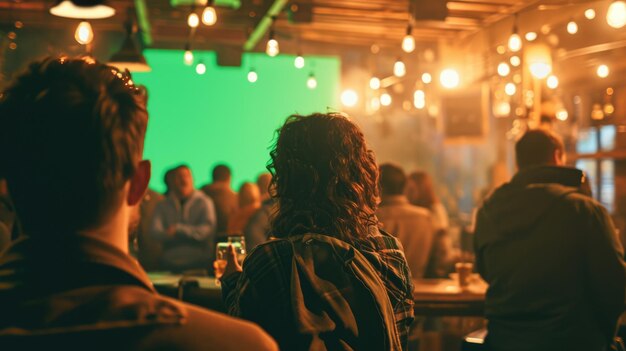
(559, 157)
(139, 183)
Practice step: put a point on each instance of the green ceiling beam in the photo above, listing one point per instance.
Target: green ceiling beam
(264, 24)
(144, 22)
(234, 4)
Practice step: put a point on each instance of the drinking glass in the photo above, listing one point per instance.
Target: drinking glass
(239, 243)
(220, 260)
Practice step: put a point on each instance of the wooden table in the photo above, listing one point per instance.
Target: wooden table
(433, 297)
(443, 297)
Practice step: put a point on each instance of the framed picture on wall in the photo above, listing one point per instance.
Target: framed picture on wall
(465, 114)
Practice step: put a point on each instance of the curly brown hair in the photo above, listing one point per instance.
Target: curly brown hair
(324, 178)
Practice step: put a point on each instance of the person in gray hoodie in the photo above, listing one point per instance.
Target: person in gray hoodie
(551, 256)
(185, 223)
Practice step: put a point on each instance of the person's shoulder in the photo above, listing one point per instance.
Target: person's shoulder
(204, 329)
(584, 205)
(201, 197)
(419, 211)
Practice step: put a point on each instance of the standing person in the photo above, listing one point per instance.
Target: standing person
(412, 225)
(551, 256)
(301, 287)
(69, 283)
(185, 223)
(263, 181)
(249, 203)
(421, 192)
(224, 198)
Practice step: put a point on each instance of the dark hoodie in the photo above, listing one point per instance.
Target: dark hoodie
(553, 262)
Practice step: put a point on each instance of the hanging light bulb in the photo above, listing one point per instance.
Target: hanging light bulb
(399, 69)
(419, 99)
(616, 15)
(572, 27)
(385, 99)
(590, 14)
(200, 68)
(209, 16)
(82, 9)
(515, 41)
(561, 114)
(510, 89)
(531, 36)
(408, 42)
(252, 76)
(539, 60)
(375, 83)
(349, 98)
(449, 78)
(311, 83)
(552, 82)
(272, 49)
(193, 20)
(188, 56)
(427, 78)
(603, 71)
(540, 70)
(503, 69)
(84, 33)
(515, 61)
(299, 61)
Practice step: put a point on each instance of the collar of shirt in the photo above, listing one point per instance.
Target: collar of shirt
(69, 261)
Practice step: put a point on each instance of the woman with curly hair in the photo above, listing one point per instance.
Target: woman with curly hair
(325, 183)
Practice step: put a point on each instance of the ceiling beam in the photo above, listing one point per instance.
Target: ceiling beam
(264, 24)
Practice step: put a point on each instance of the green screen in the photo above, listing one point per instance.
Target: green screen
(220, 117)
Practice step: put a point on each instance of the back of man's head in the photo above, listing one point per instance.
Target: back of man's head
(221, 173)
(71, 136)
(538, 147)
(392, 179)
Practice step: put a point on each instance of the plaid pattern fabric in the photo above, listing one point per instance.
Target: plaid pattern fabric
(261, 293)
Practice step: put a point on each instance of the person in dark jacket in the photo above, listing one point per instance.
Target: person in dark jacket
(551, 256)
(68, 283)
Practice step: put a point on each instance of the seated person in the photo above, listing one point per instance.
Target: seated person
(249, 203)
(412, 225)
(69, 283)
(325, 180)
(184, 222)
(263, 181)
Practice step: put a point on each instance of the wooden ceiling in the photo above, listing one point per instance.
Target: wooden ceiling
(335, 23)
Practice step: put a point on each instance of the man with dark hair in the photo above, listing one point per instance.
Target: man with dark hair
(551, 256)
(185, 223)
(412, 225)
(225, 199)
(71, 144)
(539, 147)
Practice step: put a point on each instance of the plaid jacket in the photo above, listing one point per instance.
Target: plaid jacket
(261, 293)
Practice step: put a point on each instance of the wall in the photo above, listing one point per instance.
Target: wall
(220, 117)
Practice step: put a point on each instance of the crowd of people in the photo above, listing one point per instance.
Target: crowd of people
(336, 241)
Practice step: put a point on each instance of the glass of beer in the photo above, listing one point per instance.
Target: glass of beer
(220, 260)
(239, 243)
